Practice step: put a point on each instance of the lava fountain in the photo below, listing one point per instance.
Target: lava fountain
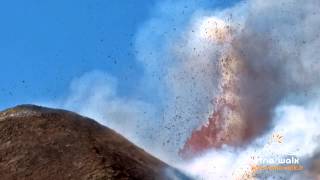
(224, 126)
(235, 108)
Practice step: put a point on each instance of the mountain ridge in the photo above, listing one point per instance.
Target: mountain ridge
(44, 143)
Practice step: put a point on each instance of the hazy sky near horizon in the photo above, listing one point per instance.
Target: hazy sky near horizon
(44, 45)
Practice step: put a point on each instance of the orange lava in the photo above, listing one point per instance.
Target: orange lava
(211, 135)
(225, 125)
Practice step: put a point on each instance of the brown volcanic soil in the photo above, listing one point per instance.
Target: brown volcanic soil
(43, 143)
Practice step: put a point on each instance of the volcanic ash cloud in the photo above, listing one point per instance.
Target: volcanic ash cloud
(268, 83)
(259, 60)
(227, 72)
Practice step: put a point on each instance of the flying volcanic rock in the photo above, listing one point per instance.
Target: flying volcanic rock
(43, 143)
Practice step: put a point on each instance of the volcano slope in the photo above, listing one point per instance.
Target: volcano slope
(43, 143)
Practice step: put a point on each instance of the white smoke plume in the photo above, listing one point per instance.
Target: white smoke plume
(276, 43)
(296, 125)
(95, 94)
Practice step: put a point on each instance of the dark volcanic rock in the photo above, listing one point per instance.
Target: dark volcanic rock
(43, 143)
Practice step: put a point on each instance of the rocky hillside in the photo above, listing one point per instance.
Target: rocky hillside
(43, 143)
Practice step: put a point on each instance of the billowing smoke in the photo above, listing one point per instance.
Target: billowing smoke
(276, 47)
(268, 57)
(95, 94)
(222, 85)
(294, 132)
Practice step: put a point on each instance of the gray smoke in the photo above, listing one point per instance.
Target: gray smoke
(278, 47)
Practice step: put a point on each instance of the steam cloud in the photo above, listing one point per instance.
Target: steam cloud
(274, 75)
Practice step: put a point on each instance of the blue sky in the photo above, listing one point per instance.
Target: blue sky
(45, 44)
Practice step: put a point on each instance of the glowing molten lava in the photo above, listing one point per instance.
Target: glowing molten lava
(225, 125)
